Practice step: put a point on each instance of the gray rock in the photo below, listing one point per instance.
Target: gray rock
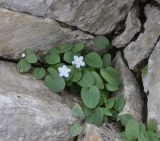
(133, 26)
(130, 89)
(152, 85)
(99, 17)
(108, 132)
(28, 111)
(158, 1)
(140, 49)
(20, 31)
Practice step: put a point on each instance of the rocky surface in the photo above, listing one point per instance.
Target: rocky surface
(98, 17)
(140, 49)
(152, 85)
(108, 132)
(20, 31)
(28, 111)
(130, 89)
(133, 26)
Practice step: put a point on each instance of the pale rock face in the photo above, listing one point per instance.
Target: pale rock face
(152, 85)
(98, 17)
(133, 26)
(20, 31)
(130, 89)
(28, 111)
(140, 49)
(108, 132)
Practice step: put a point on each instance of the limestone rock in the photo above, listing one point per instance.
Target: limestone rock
(98, 17)
(140, 49)
(28, 111)
(133, 26)
(106, 133)
(130, 89)
(152, 85)
(20, 31)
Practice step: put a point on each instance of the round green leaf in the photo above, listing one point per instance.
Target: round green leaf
(98, 117)
(107, 60)
(31, 58)
(102, 42)
(132, 130)
(93, 60)
(64, 47)
(77, 111)
(152, 125)
(77, 74)
(52, 58)
(75, 130)
(110, 75)
(87, 79)
(68, 56)
(90, 96)
(39, 73)
(124, 119)
(111, 87)
(23, 66)
(55, 83)
(78, 47)
(52, 71)
(120, 102)
(97, 79)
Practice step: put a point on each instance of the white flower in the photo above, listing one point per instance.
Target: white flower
(64, 71)
(78, 61)
(23, 55)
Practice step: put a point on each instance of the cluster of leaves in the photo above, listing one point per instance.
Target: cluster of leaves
(94, 81)
(136, 131)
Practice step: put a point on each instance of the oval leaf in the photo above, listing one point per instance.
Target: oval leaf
(23, 66)
(55, 84)
(78, 47)
(87, 79)
(75, 130)
(102, 42)
(39, 73)
(93, 60)
(68, 57)
(90, 96)
(107, 60)
(31, 58)
(97, 79)
(64, 47)
(77, 111)
(53, 58)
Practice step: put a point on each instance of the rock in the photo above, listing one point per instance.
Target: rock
(152, 85)
(20, 31)
(98, 17)
(130, 89)
(28, 111)
(106, 133)
(133, 26)
(140, 49)
(158, 1)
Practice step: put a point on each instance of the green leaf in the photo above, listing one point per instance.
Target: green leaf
(102, 42)
(77, 111)
(28, 51)
(152, 136)
(111, 103)
(52, 71)
(75, 130)
(93, 60)
(106, 112)
(111, 87)
(23, 66)
(55, 83)
(98, 117)
(64, 47)
(39, 73)
(107, 60)
(152, 125)
(77, 74)
(52, 59)
(87, 79)
(111, 76)
(90, 96)
(144, 71)
(120, 102)
(132, 130)
(68, 56)
(97, 79)
(78, 47)
(142, 137)
(125, 118)
(31, 58)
